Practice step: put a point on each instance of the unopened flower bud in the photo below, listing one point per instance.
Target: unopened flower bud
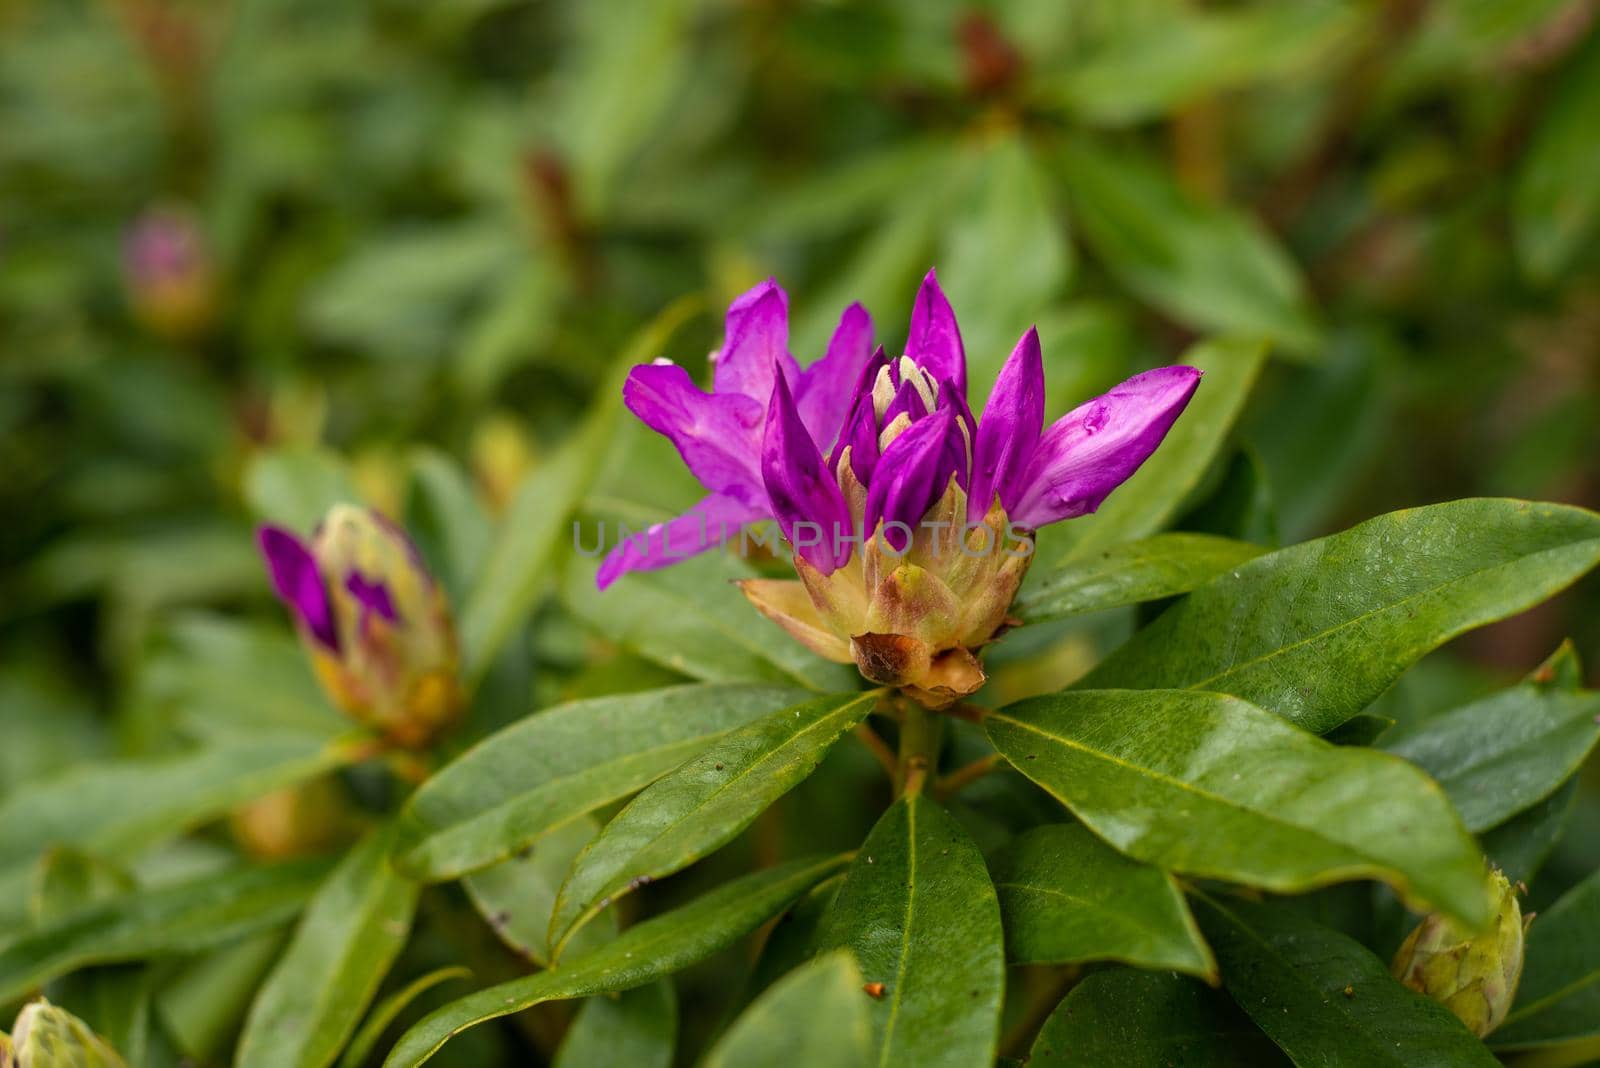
(169, 273)
(47, 1036)
(376, 624)
(1474, 975)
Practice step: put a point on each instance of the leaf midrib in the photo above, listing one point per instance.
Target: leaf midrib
(1376, 862)
(611, 885)
(1281, 650)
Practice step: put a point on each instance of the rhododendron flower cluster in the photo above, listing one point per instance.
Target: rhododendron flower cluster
(911, 519)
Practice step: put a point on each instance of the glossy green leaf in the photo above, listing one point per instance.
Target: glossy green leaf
(535, 524)
(713, 635)
(1505, 753)
(1067, 897)
(1139, 1019)
(702, 805)
(517, 896)
(1520, 846)
(637, 1028)
(1325, 999)
(1148, 570)
(1151, 498)
(349, 936)
(1559, 999)
(1211, 268)
(817, 1014)
(1316, 631)
(1211, 785)
(179, 919)
(1555, 203)
(91, 806)
(792, 939)
(388, 1010)
(557, 765)
(659, 946)
(919, 913)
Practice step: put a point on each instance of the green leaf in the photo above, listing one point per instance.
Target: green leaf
(817, 1014)
(702, 805)
(1004, 255)
(517, 564)
(1179, 54)
(115, 808)
(1149, 570)
(349, 936)
(203, 1005)
(1211, 268)
(790, 942)
(1555, 201)
(1559, 999)
(921, 917)
(445, 518)
(196, 671)
(1505, 753)
(66, 880)
(1137, 1019)
(295, 486)
(715, 635)
(641, 954)
(557, 765)
(1210, 785)
(1325, 999)
(1317, 631)
(1520, 846)
(883, 270)
(1067, 897)
(517, 896)
(360, 1048)
(1152, 497)
(637, 1028)
(177, 919)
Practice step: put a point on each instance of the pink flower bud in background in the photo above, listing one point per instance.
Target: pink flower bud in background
(169, 274)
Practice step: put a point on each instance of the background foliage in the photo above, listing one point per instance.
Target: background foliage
(429, 237)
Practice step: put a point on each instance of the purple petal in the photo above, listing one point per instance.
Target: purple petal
(1009, 432)
(860, 434)
(298, 582)
(911, 474)
(372, 596)
(805, 498)
(1093, 449)
(959, 445)
(935, 339)
(708, 524)
(907, 401)
(755, 344)
(718, 436)
(826, 387)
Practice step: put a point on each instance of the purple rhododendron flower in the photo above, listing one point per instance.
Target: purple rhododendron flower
(757, 441)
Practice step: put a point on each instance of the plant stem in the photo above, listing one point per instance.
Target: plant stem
(953, 783)
(919, 747)
(879, 749)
